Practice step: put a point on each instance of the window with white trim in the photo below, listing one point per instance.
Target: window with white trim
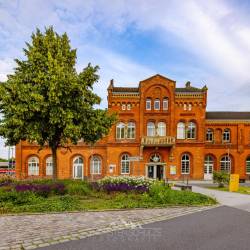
(185, 164)
(181, 130)
(248, 165)
(161, 129)
(123, 106)
(191, 130)
(225, 164)
(128, 106)
(226, 135)
(120, 130)
(209, 135)
(185, 106)
(49, 166)
(148, 104)
(78, 167)
(150, 129)
(33, 166)
(125, 164)
(190, 106)
(157, 104)
(131, 130)
(95, 164)
(165, 104)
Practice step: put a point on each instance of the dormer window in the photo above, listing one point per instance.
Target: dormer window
(157, 104)
(165, 104)
(148, 104)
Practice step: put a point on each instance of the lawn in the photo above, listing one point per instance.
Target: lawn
(242, 189)
(70, 195)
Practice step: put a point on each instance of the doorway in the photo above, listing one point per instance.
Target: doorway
(155, 171)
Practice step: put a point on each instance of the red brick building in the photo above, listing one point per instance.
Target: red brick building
(162, 132)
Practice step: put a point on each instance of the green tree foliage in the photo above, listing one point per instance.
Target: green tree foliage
(221, 178)
(47, 102)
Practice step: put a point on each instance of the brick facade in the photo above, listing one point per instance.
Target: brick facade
(179, 155)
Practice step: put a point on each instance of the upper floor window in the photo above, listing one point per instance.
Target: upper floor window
(123, 106)
(128, 106)
(131, 130)
(185, 106)
(209, 135)
(95, 165)
(190, 106)
(225, 164)
(120, 130)
(33, 166)
(191, 130)
(226, 135)
(248, 165)
(125, 164)
(165, 104)
(150, 129)
(157, 104)
(49, 166)
(181, 130)
(148, 104)
(185, 164)
(161, 129)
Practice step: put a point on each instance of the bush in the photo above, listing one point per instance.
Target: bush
(221, 178)
(78, 188)
(6, 180)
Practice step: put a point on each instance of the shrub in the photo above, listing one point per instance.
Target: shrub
(6, 180)
(78, 188)
(221, 178)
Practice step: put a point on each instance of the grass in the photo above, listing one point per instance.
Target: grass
(242, 189)
(80, 196)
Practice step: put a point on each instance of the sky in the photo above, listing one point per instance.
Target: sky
(205, 42)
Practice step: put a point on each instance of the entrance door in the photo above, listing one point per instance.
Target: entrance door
(159, 172)
(208, 168)
(150, 171)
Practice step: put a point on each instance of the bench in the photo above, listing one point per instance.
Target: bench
(183, 186)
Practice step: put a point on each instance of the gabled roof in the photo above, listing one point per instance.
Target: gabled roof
(227, 115)
(157, 75)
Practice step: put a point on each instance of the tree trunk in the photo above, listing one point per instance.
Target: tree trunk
(54, 158)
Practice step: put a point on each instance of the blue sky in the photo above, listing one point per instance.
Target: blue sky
(205, 42)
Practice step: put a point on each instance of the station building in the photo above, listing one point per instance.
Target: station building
(162, 132)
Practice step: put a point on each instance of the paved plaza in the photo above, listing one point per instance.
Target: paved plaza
(33, 231)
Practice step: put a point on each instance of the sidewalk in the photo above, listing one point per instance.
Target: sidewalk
(241, 201)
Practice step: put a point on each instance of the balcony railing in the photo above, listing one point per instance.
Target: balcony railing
(161, 141)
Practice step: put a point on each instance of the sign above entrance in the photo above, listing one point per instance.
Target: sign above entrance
(135, 158)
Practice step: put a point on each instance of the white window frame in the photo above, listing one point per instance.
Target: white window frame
(165, 104)
(226, 136)
(95, 164)
(185, 164)
(150, 129)
(125, 164)
(120, 130)
(49, 166)
(209, 135)
(208, 163)
(157, 102)
(226, 164)
(148, 104)
(131, 130)
(128, 106)
(123, 106)
(190, 106)
(185, 106)
(248, 165)
(161, 129)
(191, 130)
(33, 166)
(181, 133)
(78, 163)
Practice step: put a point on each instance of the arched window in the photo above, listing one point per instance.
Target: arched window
(95, 165)
(161, 129)
(148, 104)
(125, 164)
(248, 165)
(181, 130)
(165, 104)
(225, 164)
(78, 167)
(226, 135)
(157, 104)
(191, 130)
(131, 130)
(33, 166)
(208, 167)
(150, 129)
(185, 164)
(209, 135)
(120, 130)
(49, 166)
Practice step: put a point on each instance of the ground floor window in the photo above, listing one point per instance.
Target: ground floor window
(95, 165)
(125, 164)
(78, 168)
(225, 164)
(49, 166)
(185, 164)
(33, 166)
(248, 165)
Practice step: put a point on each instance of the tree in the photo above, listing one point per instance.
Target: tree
(221, 178)
(45, 101)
